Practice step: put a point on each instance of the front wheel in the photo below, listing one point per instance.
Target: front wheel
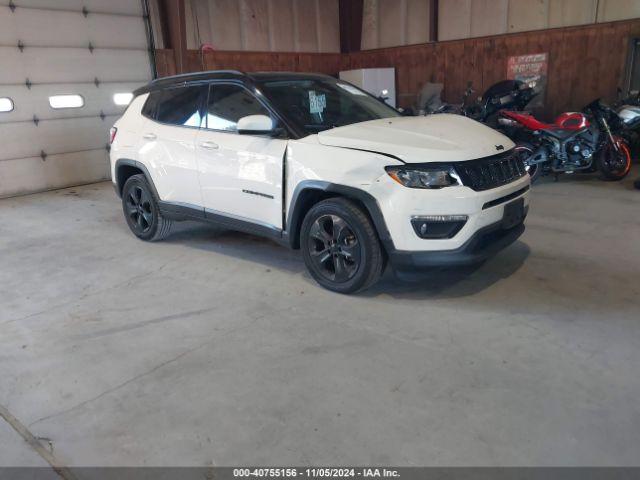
(340, 246)
(524, 151)
(614, 163)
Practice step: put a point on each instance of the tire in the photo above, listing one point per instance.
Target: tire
(614, 165)
(525, 150)
(141, 211)
(340, 246)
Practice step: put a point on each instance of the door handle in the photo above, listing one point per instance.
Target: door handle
(210, 145)
(149, 136)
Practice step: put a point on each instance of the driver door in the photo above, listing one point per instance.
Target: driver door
(240, 175)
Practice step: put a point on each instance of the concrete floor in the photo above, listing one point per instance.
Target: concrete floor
(217, 348)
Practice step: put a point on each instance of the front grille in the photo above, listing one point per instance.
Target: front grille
(491, 172)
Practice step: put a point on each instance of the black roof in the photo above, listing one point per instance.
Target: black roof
(266, 76)
(224, 75)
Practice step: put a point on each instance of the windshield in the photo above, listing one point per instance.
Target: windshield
(315, 105)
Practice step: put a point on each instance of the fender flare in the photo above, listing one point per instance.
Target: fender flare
(140, 166)
(295, 215)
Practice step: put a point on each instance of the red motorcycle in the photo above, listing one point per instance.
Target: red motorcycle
(575, 142)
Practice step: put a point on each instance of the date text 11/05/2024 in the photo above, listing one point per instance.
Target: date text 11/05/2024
(316, 472)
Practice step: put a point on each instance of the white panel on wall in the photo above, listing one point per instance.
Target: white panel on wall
(224, 16)
(26, 175)
(72, 65)
(35, 101)
(120, 7)
(488, 17)
(392, 23)
(255, 25)
(611, 10)
(392, 18)
(477, 18)
(305, 26)
(454, 19)
(264, 25)
(69, 29)
(527, 15)
(26, 139)
(281, 36)
(418, 22)
(563, 13)
(56, 60)
(328, 26)
(370, 27)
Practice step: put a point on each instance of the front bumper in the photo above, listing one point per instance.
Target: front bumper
(485, 243)
(485, 233)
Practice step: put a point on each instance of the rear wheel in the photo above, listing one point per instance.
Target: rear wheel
(615, 163)
(340, 246)
(141, 210)
(524, 151)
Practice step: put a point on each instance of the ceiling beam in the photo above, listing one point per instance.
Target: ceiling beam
(433, 20)
(350, 13)
(173, 22)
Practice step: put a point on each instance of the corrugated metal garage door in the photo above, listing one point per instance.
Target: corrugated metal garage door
(91, 48)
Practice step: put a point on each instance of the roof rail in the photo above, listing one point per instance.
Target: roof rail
(197, 74)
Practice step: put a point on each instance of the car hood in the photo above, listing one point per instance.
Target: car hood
(434, 138)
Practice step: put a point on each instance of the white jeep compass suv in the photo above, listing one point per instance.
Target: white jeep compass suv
(318, 165)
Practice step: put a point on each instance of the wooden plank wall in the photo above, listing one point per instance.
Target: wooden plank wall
(585, 62)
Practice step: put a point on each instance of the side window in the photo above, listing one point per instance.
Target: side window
(151, 105)
(228, 104)
(181, 106)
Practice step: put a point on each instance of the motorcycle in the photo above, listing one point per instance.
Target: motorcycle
(628, 111)
(622, 118)
(575, 142)
(507, 94)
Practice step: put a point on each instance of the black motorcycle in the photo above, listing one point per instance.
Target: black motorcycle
(508, 94)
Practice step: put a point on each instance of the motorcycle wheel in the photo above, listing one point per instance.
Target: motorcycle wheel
(614, 165)
(524, 151)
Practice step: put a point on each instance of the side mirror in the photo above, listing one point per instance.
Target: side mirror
(384, 95)
(256, 125)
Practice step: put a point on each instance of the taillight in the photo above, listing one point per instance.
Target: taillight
(112, 134)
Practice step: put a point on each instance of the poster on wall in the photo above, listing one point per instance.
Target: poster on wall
(532, 70)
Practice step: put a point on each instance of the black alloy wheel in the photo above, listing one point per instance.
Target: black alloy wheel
(340, 246)
(138, 204)
(334, 248)
(141, 210)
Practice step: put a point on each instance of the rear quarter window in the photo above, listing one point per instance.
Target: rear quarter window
(182, 106)
(150, 107)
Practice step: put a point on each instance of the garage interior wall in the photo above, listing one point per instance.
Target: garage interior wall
(585, 62)
(259, 25)
(391, 23)
(66, 47)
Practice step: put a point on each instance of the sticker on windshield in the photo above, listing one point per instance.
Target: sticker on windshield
(351, 89)
(317, 103)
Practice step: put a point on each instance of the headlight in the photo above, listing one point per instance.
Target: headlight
(437, 177)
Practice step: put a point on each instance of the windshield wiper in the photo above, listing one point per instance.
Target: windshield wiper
(321, 128)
